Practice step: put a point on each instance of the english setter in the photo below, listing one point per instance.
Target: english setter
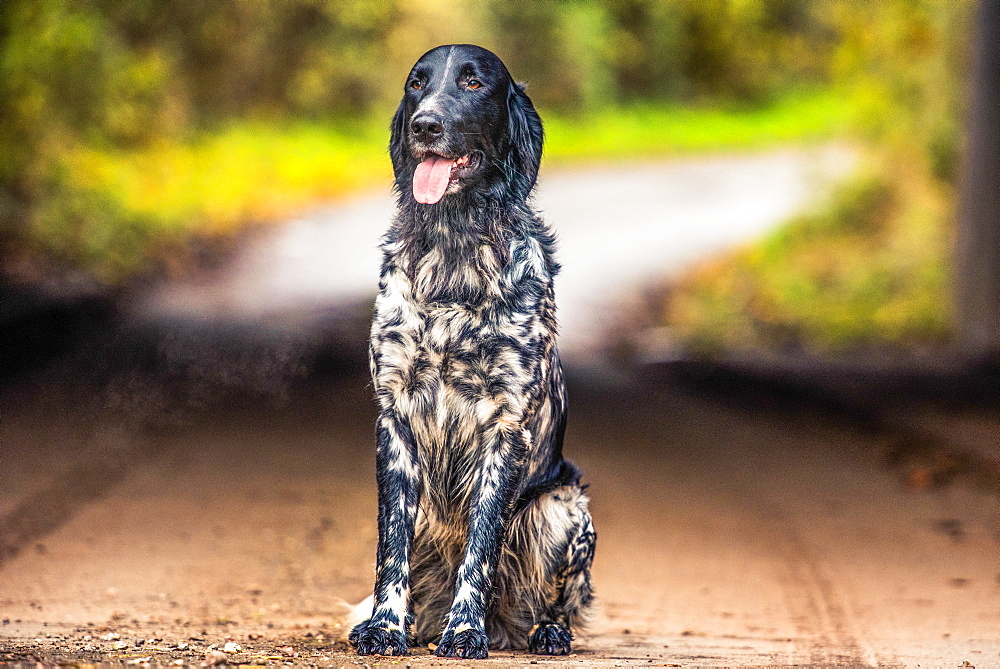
(485, 540)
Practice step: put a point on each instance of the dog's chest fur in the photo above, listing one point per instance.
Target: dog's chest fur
(461, 323)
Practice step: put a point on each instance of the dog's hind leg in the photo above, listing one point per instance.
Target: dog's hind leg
(546, 590)
(574, 593)
(397, 471)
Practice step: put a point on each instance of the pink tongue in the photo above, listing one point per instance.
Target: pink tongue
(431, 179)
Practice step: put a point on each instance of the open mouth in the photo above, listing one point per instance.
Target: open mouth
(435, 173)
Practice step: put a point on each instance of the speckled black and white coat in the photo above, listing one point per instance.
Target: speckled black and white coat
(485, 539)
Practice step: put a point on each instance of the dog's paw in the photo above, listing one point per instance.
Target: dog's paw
(550, 639)
(373, 639)
(470, 644)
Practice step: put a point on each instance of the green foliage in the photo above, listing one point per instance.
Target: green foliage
(128, 127)
(871, 267)
(904, 64)
(118, 210)
(863, 269)
(580, 56)
(121, 213)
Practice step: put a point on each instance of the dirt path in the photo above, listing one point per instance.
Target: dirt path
(184, 483)
(726, 537)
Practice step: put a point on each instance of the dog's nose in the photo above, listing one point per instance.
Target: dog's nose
(426, 128)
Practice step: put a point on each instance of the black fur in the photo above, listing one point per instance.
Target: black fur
(484, 535)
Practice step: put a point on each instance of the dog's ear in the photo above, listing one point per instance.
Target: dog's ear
(397, 139)
(526, 135)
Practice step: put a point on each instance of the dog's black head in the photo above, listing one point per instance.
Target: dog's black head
(464, 126)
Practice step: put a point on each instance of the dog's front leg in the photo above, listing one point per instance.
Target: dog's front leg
(397, 471)
(505, 443)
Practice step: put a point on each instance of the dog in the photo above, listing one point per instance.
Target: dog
(484, 535)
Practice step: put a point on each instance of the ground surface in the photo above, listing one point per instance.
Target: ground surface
(203, 475)
(727, 536)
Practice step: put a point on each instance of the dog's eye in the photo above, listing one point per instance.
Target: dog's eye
(474, 84)
(416, 85)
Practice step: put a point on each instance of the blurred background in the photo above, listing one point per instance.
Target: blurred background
(140, 138)
(766, 307)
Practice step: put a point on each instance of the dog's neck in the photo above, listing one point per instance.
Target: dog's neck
(454, 251)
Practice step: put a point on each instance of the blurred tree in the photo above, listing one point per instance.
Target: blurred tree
(874, 266)
(904, 62)
(647, 51)
(67, 78)
(112, 76)
(748, 50)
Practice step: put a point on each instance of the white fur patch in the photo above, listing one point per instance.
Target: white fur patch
(358, 614)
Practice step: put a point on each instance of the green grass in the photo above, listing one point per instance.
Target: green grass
(650, 132)
(116, 215)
